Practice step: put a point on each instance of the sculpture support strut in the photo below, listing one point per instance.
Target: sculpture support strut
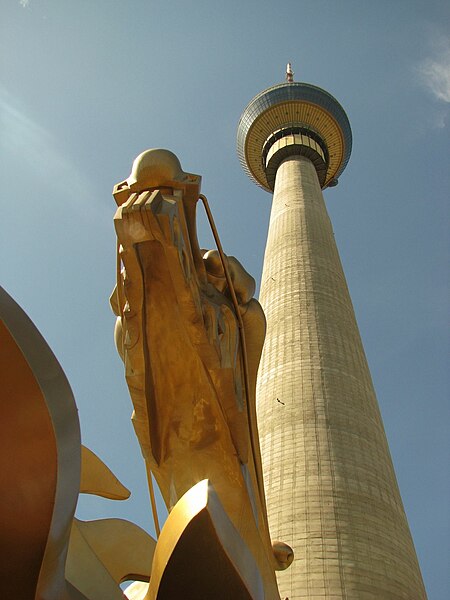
(241, 336)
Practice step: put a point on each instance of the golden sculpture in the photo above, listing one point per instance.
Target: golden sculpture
(190, 335)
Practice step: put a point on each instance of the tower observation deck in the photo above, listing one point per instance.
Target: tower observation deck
(331, 489)
(293, 119)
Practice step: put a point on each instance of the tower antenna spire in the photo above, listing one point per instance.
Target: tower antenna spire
(289, 73)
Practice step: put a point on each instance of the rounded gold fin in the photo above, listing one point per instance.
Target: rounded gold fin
(98, 479)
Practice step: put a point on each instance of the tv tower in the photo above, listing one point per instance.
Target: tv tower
(331, 489)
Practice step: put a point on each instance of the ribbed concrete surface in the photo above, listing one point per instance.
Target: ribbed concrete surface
(331, 489)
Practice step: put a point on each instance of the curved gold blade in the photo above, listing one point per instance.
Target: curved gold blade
(106, 552)
(98, 479)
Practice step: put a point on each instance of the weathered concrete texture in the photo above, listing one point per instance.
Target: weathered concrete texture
(331, 489)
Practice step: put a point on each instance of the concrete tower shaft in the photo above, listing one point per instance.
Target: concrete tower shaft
(330, 485)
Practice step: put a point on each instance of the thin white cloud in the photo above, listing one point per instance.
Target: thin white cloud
(24, 3)
(434, 71)
(39, 152)
(439, 119)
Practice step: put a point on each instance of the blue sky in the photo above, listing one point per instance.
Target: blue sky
(87, 85)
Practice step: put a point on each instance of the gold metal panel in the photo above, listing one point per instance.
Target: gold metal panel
(40, 461)
(40, 479)
(105, 552)
(201, 554)
(27, 447)
(98, 479)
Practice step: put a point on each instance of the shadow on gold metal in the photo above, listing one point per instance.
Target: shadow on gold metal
(46, 553)
(200, 553)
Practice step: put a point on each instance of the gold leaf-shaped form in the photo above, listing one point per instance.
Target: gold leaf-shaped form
(106, 552)
(98, 479)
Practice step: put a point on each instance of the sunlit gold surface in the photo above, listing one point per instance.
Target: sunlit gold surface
(288, 114)
(201, 554)
(98, 479)
(21, 551)
(106, 552)
(178, 336)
